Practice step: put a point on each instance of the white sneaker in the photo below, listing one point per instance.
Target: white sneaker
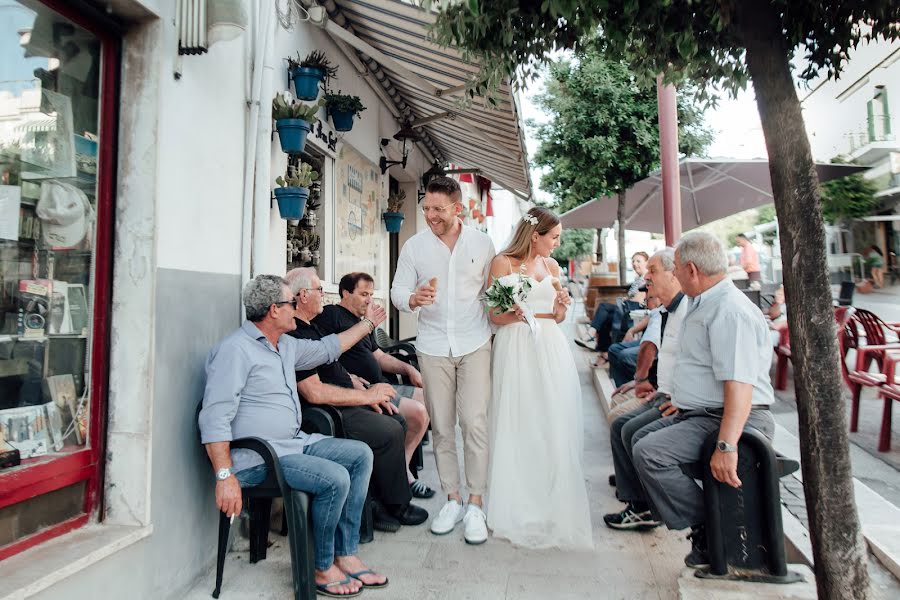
(475, 525)
(450, 515)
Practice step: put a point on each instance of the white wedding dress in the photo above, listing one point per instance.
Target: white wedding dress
(536, 495)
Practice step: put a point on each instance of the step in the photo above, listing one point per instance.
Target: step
(691, 587)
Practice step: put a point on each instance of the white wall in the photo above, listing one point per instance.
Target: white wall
(829, 119)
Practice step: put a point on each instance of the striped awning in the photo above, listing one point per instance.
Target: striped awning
(37, 125)
(430, 81)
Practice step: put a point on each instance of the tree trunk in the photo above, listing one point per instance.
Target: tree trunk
(838, 547)
(620, 215)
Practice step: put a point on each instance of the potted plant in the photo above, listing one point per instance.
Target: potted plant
(293, 190)
(314, 243)
(393, 216)
(309, 72)
(293, 120)
(305, 238)
(312, 205)
(342, 108)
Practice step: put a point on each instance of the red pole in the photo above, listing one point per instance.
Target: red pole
(668, 154)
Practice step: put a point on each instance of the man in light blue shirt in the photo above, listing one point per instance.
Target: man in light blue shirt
(721, 384)
(251, 390)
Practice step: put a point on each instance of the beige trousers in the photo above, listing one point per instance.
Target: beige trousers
(459, 387)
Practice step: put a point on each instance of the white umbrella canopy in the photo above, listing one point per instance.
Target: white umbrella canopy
(711, 189)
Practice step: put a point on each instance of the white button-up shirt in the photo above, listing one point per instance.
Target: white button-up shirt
(456, 324)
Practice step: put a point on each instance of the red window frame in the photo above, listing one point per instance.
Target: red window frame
(85, 464)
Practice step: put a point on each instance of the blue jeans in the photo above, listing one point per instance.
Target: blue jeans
(336, 473)
(623, 361)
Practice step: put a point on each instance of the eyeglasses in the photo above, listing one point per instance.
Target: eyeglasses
(292, 302)
(437, 209)
(319, 289)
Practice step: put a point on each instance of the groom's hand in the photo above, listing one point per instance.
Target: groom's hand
(423, 296)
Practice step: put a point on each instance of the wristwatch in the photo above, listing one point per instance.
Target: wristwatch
(223, 474)
(723, 446)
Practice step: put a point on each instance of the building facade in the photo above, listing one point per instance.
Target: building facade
(139, 161)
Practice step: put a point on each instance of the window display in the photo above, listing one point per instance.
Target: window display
(49, 127)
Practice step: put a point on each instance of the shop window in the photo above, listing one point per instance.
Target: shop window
(54, 257)
(305, 237)
(357, 223)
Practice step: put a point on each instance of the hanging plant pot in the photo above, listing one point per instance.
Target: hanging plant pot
(392, 221)
(342, 119)
(306, 82)
(292, 134)
(305, 255)
(291, 201)
(315, 258)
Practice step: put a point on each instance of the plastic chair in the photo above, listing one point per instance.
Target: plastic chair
(845, 298)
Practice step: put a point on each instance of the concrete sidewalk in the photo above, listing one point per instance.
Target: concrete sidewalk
(422, 566)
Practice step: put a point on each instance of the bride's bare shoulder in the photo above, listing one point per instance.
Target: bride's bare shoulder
(502, 265)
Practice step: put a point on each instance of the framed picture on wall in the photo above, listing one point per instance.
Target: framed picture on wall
(357, 233)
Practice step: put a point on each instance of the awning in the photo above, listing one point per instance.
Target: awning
(429, 80)
(711, 189)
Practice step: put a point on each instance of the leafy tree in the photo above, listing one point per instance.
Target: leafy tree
(574, 243)
(765, 214)
(603, 132)
(847, 198)
(729, 43)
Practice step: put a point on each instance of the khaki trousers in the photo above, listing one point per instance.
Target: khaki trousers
(459, 387)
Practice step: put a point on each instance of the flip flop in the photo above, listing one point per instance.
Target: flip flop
(322, 588)
(368, 585)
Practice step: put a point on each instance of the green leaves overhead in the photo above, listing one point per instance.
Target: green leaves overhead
(603, 132)
(685, 39)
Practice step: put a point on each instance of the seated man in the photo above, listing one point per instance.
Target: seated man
(649, 405)
(721, 385)
(623, 355)
(368, 363)
(368, 415)
(251, 391)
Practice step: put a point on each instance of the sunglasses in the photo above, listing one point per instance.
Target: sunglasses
(292, 302)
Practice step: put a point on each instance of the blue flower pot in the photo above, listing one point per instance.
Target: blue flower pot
(292, 134)
(392, 221)
(291, 201)
(306, 82)
(341, 119)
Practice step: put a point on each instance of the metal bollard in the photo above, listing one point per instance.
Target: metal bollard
(743, 526)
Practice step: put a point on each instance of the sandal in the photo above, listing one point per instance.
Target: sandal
(322, 588)
(420, 490)
(368, 585)
(600, 362)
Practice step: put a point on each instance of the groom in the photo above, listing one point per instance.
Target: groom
(440, 273)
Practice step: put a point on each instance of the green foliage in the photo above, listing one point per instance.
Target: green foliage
(395, 201)
(302, 177)
(574, 243)
(847, 198)
(765, 214)
(285, 107)
(603, 133)
(684, 39)
(344, 103)
(314, 60)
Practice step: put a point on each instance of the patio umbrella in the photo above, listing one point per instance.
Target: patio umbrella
(710, 190)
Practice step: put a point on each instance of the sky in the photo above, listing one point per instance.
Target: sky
(735, 124)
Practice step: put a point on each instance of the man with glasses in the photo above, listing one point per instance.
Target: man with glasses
(368, 415)
(251, 391)
(440, 275)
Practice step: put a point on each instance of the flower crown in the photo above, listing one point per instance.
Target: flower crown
(530, 219)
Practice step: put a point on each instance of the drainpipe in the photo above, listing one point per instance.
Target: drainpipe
(261, 31)
(263, 187)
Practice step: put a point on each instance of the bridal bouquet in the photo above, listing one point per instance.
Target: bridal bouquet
(506, 292)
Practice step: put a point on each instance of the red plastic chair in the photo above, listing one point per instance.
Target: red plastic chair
(889, 392)
(864, 333)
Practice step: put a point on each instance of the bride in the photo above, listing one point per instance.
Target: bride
(537, 495)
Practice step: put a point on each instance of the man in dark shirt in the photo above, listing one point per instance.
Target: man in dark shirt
(365, 414)
(368, 363)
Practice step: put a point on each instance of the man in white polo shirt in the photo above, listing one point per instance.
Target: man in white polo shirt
(721, 384)
(440, 274)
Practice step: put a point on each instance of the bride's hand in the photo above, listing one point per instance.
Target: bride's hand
(562, 297)
(520, 314)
